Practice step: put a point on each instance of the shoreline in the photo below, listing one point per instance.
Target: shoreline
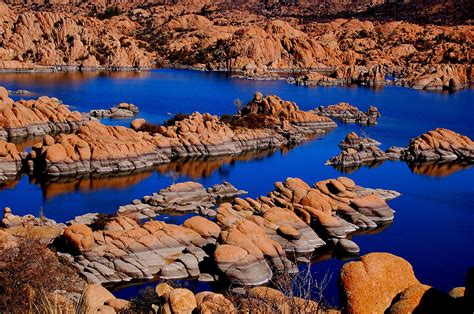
(291, 76)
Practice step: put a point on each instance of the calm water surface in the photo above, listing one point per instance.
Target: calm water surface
(433, 227)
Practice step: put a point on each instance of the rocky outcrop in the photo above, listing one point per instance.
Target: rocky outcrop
(36, 40)
(385, 283)
(265, 123)
(357, 151)
(122, 110)
(350, 114)
(181, 197)
(38, 117)
(247, 256)
(10, 161)
(96, 149)
(97, 299)
(125, 250)
(439, 144)
(451, 77)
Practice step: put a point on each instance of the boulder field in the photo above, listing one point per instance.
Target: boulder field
(356, 151)
(44, 40)
(248, 241)
(265, 123)
(38, 117)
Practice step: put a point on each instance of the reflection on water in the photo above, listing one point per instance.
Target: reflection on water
(25, 144)
(53, 187)
(44, 78)
(438, 168)
(194, 168)
(354, 168)
(198, 168)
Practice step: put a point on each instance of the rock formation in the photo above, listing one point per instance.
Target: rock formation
(181, 197)
(10, 161)
(257, 39)
(122, 110)
(36, 40)
(439, 144)
(97, 299)
(264, 123)
(125, 250)
(35, 117)
(350, 114)
(247, 243)
(357, 151)
(385, 283)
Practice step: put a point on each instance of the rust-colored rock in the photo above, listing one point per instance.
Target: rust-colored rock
(35, 117)
(370, 285)
(439, 144)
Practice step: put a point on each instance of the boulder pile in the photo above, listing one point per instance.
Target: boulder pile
(356, 151)
(10, 161)
(125, 250)
(247, 243)
(181, 197)
(439, 144)
(350, 114)
(122, 110)
(38, 117)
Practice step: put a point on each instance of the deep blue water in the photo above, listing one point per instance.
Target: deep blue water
(433, 227)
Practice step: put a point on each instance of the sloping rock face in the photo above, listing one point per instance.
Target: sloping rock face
(125, 250)
(38, 39)
(100, 149)
(357, 151)
(350, 114)
(35, 117)
(247, 256)
(439, 144)
(10, 161)
(181, 197)
(385, 283)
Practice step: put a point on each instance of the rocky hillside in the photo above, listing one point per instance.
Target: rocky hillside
(356, 41)
(32, 39)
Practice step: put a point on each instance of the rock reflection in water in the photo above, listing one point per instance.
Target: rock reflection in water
(438, 168)
(191, 168)
(58, 186)
(353, 168)
(197, 168)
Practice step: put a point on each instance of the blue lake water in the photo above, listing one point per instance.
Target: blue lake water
(433, 227)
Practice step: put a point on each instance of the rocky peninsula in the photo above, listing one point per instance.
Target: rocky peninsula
(246, 244)
(45, 115)
(265, 123)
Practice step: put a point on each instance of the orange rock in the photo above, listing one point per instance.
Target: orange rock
(80, 237)
(182, 301)
(370, 285)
